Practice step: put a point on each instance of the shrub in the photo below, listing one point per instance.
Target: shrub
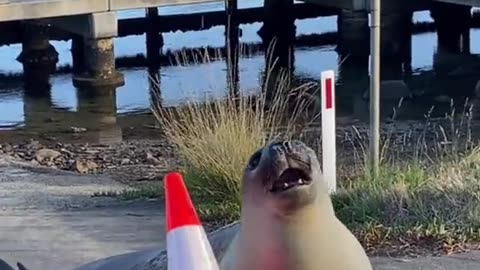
(215, 139)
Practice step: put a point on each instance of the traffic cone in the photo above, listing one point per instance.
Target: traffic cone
(188, 247)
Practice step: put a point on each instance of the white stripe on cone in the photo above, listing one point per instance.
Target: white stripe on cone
(188, 249)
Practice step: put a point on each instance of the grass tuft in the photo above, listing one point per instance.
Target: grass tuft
(216, 138)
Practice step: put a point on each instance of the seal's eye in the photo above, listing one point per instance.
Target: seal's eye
(254, 160)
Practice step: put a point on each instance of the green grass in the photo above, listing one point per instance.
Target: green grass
(416, 204)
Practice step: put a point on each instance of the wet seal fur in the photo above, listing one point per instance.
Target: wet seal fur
(287, 217)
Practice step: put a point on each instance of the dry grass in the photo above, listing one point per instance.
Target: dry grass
(215, 139)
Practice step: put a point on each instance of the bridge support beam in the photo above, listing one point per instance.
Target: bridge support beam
(278, 37)
(453, 26)
(99, 65)
(396, 42)
(93, 49)
(38, 57)
(154, 39)
(232, 43)
(354, 34)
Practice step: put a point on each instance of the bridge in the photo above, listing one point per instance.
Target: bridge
(92, 25)
(11, 10)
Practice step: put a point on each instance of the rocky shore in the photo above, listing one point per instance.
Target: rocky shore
(130, 162)
(144, 155)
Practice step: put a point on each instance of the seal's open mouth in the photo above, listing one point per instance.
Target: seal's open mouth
(290, 178)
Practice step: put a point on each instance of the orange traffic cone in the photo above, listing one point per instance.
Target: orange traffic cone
(187, 245)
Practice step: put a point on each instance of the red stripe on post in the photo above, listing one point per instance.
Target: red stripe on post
(329, 93)
(179, 207)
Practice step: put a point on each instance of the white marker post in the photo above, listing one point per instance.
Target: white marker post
(329, 155)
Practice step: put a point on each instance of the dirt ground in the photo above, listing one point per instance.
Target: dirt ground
(49, 219)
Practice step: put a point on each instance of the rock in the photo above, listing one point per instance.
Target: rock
(89, 151)
(78, 129)
(65, 151)
(125, 161)
(391, 90)
(152, 160)
(46, 153)
(50, 164)
(7, 148)
(85, 166)
(33, 144)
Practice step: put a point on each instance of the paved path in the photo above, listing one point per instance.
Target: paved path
(48, 220)
(467, 261)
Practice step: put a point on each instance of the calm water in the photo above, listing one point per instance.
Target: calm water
(178, 83)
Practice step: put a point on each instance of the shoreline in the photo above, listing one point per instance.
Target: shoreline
(144, 155)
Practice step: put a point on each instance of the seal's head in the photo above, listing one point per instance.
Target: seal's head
(283, 175)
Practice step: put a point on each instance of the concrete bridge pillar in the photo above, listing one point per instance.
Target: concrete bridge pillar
(38, 57)
(354, 34)
(232, 43)
(93, 49)
(272, 25)
(278, 36)
(99, 65)
(77, 51)
(453, 26)
(396, 42)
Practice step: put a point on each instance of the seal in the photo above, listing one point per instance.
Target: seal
(287, 219)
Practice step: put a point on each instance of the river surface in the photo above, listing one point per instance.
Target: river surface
(181, 82)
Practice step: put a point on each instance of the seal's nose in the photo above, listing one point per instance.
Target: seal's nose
(289, 146)
(291, 153)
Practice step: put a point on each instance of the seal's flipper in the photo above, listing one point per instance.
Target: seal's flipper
(21, 266)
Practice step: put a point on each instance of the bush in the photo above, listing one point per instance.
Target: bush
(215, 139)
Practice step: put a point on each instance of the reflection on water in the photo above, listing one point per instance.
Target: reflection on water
(62, 107)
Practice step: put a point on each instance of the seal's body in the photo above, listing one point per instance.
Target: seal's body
(287, 218)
